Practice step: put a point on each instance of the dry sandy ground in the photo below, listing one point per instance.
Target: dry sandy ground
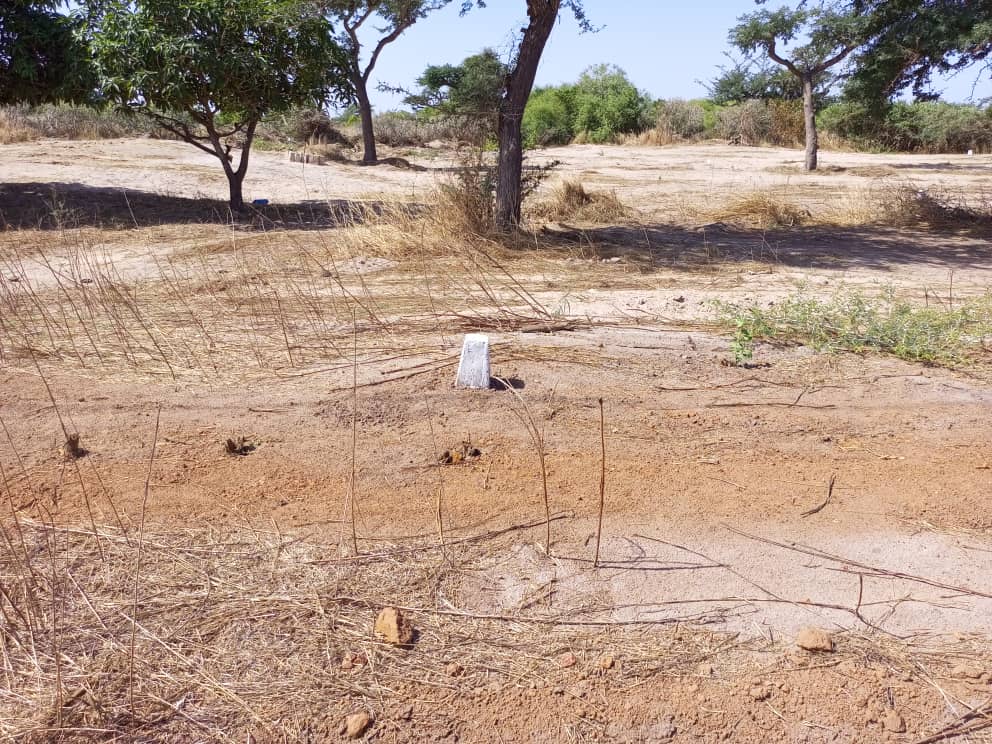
(713, 472)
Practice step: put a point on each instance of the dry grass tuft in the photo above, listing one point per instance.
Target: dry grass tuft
(12, 133)
(906, 205)
(571, 201)
(757, 209)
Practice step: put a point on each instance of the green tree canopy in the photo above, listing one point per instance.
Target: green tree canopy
(912, 39)
(209, 70)
(750, 80)
(607, 103)
(41, 57)
(472, 88)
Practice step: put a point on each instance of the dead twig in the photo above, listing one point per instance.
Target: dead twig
(822, 506)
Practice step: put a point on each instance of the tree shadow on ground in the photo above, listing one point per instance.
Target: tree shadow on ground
(56, 206)
(654, 246)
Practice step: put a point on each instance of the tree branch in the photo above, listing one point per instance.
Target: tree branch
(827, 64)
(776, 57)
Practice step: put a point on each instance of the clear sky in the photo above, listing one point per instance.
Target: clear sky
(665, 46)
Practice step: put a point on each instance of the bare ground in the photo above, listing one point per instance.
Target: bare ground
(714, 551)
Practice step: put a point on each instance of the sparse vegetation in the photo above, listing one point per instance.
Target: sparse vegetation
(22, 123)
(942, 332)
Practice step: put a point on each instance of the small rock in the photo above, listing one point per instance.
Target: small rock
(760, 693)
(660, 733)
(815, 639)
(567, 660)
(705, 670)
(392, 627)
(347, 663)
(606, 662)
(454, 669)
(966, 671)
(357, 724)
(894, 722)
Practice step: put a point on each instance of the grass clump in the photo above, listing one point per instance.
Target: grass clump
(571, 201)
(906, 205)
(756, 209)
(944, 335)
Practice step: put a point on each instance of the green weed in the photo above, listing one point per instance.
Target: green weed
(941, 334)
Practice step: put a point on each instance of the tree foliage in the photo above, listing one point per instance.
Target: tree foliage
(911, 39)
(209, 70)
(750, 80)
(472, 88)
(41, 57)
(809, 39)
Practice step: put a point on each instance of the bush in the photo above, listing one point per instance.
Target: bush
(748, 123)
(931, 127)
(548, 118)
(403, 129)
(680, 120)
(608, 105)
(601, 107)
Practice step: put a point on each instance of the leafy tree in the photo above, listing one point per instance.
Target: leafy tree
(41, 58)
(541, 18)
(608, 104)
(913, 38)
(750, 80)
(830, 32)
(468, 93)
(351, 16)
(471, 88)
(549, 118)
(209, 70)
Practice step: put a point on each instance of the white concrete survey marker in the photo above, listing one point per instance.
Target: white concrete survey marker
(473, 368)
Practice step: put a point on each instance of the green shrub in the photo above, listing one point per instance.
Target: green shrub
(932, 127)
(608, 105)
(851, 321)
(601, 107)
(549, 116)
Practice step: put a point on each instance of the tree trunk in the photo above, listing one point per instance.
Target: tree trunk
(371, 157)
(236, 181)
(809, 115)
(543, 14)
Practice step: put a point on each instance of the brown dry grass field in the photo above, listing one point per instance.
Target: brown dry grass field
(796, 388)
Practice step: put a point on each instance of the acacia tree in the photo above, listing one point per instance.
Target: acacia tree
(830, 33)
(41, 58)
(209, 70)
(352, 16)
(469, 92)
(911, 39)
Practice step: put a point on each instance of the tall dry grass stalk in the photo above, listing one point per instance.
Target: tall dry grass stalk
(525, 416)
(257, 305)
